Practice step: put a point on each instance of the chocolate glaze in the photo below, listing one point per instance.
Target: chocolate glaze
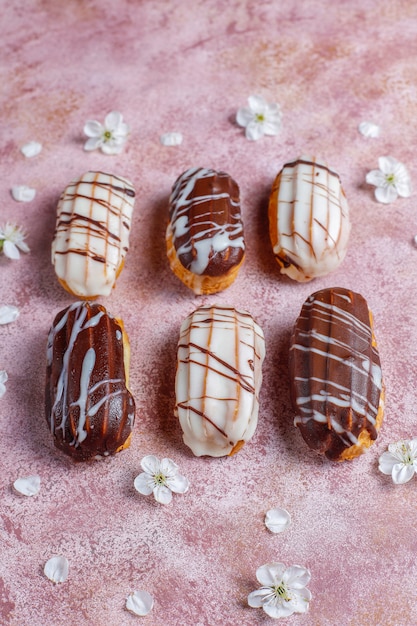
(207, 203)
(335, 371)
(89, 409)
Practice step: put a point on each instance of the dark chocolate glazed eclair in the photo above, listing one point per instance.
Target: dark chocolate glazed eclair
(89, 408)
(205, 240)
(335, 374)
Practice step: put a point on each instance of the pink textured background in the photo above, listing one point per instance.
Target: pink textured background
(187, 66)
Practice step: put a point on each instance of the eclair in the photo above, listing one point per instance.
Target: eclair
(204, 238)
(89, 408)
(91, 236)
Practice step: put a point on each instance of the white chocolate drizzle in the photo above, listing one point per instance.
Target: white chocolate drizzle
(92, 233)
(219, 376)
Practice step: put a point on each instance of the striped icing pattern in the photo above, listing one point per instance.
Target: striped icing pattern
(309, 219)
(92, 233)
(205, 224)
(89, 409)
(219, 376)
(335, 371)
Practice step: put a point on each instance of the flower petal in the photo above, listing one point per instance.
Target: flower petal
(386, 463)
(376, 177)
(257, 104)
(277, 520)
(92, 128)
(171, 139)
(402, 473)
(270, 574)
(10, 250)
(403, 188)
(244, 116)
(168, 467)
(178, 483)
(296, 577)
(256, 599)
(254, 131)
(139, 602)
(23, 193)
(111, 147)
(369, 129)
(28, 485)
(56, 569)
(93, 143)
(150, 464)
(113, 120)
(144, 484)
(8, 313)
(162, 494)
(31, 149)
(387, 164)
(278, 610)
(385, 195)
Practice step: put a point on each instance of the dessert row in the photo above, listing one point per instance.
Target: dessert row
(308, 222)
(334, 370)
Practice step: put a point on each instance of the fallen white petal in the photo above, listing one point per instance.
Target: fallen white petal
(277, 520)
(171, 139)
(139, 602)
(56, 569)
(415, 241)
(369, 129)
(23, 193)
(31, 149)
(8, 313)
(28, 486)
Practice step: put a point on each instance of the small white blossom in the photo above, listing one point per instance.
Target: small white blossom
(3, 379)
(23, 193)
(57, 569)
(8, 313)
(260, 118)
(31, 149)
(139, 602)
(369, 129)
(28, 486)
(391, 180)
(110, 137)
(400, 461)
(160, 478)
(277, 520)
(12, 239)
(171, 139)
(283, 590)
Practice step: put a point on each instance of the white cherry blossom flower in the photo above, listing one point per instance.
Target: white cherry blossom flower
(391, 180)
(260, 118)
(277, 520)
(8, 313)
(400, 461)
(110, 137)
(31, 149)
(3, 379)
(284, 590)
(23, 193)
(139, 603)
(369, 129)
(12, 239)
(160, 478)
(57, 569)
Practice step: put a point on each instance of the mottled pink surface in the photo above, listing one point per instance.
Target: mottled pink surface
(187, 66)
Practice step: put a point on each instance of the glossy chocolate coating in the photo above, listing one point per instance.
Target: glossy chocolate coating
(89, 409)
(335, 371)
(205, 221)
